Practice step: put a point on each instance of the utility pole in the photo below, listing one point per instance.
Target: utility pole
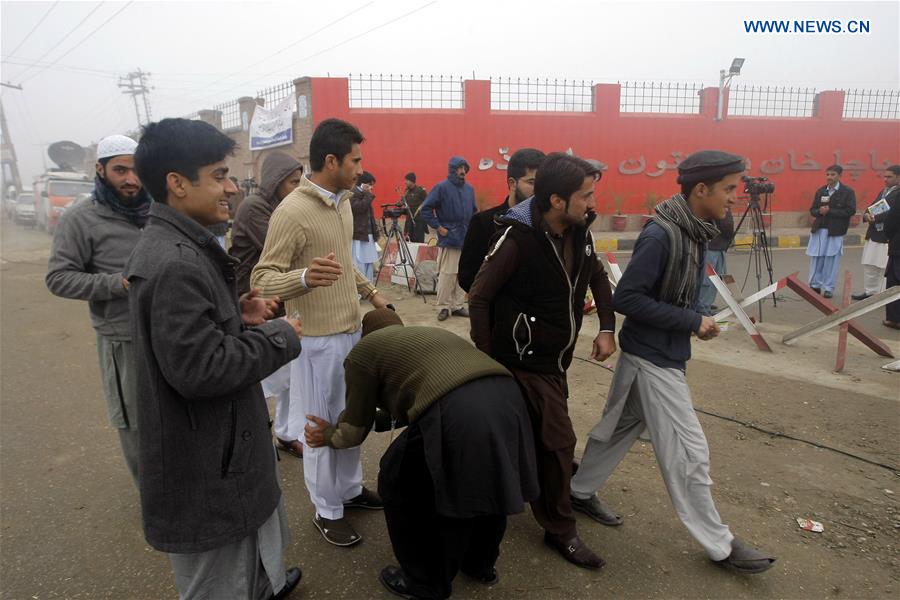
(134, 84)
(8, 162)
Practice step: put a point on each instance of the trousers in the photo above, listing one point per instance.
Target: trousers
(645, 396)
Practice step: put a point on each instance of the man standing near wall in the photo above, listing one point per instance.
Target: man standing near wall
(526, 313)
(875, 251)
(365, 230)
(832, 208)
(520, 172)
(414, 196)
(448, 209)
(280, 175)
(891, 222)
(307, 262)
(90, 247)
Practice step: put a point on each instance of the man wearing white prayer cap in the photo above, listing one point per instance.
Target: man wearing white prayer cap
(91, 244)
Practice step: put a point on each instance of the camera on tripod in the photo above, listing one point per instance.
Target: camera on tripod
(757, 185)
(395, 210)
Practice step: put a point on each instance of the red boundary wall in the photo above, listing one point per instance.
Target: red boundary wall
(639, 149)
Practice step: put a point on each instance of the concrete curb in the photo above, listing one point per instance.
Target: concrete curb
(612, 244)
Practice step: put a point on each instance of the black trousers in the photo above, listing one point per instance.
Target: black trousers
(431, 548)
(415, 229)
(892, 273)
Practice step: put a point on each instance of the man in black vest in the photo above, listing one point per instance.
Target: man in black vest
(520, 173)
(526, 310)
(832, 207)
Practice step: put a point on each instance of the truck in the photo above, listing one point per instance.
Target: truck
(57, 188)
(54, 191)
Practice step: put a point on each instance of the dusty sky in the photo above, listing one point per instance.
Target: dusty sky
(203, 53)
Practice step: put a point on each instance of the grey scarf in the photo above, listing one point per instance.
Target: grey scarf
(688, 237)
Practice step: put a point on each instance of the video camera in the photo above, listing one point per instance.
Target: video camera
(396, 209)
(757, 185)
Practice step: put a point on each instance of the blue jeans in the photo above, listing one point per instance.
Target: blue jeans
(715, 258)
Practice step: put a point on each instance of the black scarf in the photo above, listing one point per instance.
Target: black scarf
(137, 210)
(688, 237)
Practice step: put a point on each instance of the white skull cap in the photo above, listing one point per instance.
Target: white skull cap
(115, 145)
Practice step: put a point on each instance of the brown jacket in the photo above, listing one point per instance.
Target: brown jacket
(363, 217)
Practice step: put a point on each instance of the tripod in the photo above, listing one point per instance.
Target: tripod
(760, 252)
(403, 254)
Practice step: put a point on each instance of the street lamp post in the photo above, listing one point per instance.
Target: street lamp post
(724, 81)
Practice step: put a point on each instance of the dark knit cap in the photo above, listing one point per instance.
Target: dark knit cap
(411, 177)
(709, 164)
(379, 319)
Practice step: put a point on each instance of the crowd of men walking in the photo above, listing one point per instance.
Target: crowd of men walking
(192, 338)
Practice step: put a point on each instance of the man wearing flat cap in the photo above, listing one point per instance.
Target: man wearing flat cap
(658, 295)
(90, 247)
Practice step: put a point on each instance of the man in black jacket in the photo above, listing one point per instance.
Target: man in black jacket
(210, 494)
(832, 207)
(891, 221)
(523, 165)
(875, 250)
(526, 311)
(414, 196)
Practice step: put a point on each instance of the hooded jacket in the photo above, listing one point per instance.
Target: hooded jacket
(251, 221)
(451, 205)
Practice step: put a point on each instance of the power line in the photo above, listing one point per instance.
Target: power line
(36, 25)
(64, 38)
(83, 40)
(339, 44)
(294, 43)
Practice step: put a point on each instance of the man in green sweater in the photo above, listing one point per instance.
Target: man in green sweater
(465, 461)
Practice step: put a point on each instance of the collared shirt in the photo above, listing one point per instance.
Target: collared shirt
(335, 197)
(831, 190)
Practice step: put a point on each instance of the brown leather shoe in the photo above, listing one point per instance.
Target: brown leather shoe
(366, 499)
(891, 324)
(575, 551)
(294, 448)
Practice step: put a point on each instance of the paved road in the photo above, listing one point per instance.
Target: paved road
(70, 521)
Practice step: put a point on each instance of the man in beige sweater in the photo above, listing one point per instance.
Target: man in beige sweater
(307, 262)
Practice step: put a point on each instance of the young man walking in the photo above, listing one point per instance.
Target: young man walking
(658, 295)
(526, 307)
